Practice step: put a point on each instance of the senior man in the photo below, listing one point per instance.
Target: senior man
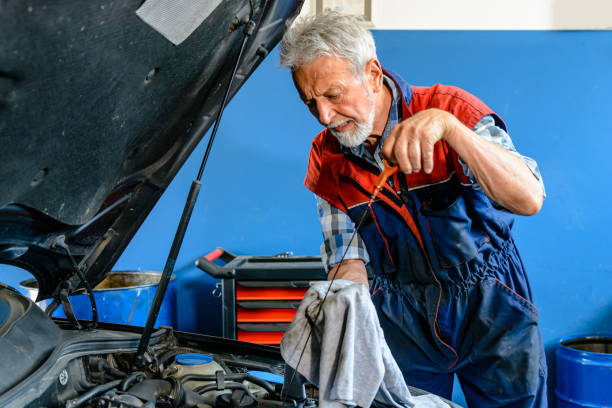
(449, 285)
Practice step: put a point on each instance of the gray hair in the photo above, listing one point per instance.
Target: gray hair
(329, 34)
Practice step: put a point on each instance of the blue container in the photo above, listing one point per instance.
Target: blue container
(269, 377)
(584, 372)
(190, 359)
(123, 297)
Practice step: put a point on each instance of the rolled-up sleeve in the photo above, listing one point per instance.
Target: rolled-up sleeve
(487, 129)
(338, 236)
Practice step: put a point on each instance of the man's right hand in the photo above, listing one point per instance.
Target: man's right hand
(350, 269)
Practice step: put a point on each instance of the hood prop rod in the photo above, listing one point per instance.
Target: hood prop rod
(139, 359)
(62, 296)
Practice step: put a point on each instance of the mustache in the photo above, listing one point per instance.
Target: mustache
(338, 123)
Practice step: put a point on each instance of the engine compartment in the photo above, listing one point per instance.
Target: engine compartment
(47, 362)
(178, 376)
(181, 377)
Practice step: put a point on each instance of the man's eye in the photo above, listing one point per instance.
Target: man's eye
(312, 106)
(333, 96)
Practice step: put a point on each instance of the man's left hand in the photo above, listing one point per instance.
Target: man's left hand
(411, 142)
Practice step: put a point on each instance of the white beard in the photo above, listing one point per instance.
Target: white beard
(359, 134)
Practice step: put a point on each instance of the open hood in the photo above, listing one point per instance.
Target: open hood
(98, 112)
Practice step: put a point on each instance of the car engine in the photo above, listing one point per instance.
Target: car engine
(98, 365)
(180, 377)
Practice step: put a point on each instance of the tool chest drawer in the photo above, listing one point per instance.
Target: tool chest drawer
(260, 294)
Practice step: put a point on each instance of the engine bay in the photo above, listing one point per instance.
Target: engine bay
(98, 365)
(180, 376)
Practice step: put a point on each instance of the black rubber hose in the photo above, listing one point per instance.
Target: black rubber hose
(192, 399)
(228, 386)
(125, 384)
(77, 402)
(262, 383)
(231, 377)
(114, 372)
(163, 359)
(265, 403)
(200, 377)
(102, 365)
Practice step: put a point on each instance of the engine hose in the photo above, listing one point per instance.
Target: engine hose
(77, 402)
(262, 383)
(177, 393)
(200, 377)
(101, 365)
(184, 397)
(114, 372)
(192, 399)
(163, 359)
(231, 377)
(265, 403)
(228, 386)
(127, 381)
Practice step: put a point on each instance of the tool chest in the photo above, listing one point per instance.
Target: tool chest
(260, 294)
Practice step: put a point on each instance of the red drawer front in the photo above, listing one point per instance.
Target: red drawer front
(268, 338)
(264, 315)
(243, 293)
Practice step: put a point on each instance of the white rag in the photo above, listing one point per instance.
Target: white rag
(346, 356)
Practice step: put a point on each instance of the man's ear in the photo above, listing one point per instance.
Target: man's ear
(374, 75)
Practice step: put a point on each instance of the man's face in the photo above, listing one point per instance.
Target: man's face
(340, 101)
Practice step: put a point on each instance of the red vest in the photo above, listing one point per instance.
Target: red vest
(344, 184)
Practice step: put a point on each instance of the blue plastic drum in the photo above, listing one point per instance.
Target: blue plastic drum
(584, 372)
(123, 297)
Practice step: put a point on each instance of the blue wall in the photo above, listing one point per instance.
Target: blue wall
(552, 90)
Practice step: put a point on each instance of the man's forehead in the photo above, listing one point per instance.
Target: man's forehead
(322, 73)
(326, 64)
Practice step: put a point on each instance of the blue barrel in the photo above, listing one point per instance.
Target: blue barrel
(584, 372)
(123, 297)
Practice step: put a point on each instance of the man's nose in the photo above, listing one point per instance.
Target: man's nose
(324, 112)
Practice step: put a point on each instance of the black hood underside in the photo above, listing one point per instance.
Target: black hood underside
(97, 114)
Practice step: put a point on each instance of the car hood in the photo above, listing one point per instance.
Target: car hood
(98, 112)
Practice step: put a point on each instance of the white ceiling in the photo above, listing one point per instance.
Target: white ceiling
(478, 14)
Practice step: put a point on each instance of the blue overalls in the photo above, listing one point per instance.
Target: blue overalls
(450, 287)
